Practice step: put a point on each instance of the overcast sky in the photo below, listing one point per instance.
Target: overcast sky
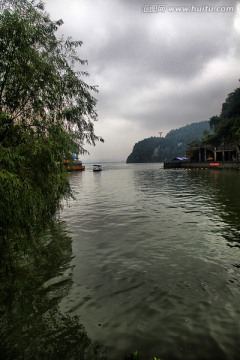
(157, 68)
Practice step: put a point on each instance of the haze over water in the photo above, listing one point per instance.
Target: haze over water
(156, 260)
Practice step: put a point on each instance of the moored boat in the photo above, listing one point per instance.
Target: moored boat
(74, 164)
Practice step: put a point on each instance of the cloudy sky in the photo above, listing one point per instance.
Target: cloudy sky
(159, 65)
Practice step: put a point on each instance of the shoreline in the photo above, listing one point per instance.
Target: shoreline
(202, 165)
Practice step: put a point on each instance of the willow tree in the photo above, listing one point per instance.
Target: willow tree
(47, 111)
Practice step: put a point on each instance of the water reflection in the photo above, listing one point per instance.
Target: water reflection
(204, 192)
(223, 188)
(31, 324)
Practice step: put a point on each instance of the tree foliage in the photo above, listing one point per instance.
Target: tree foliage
(47, 112)
(39, 85)
(226, 126)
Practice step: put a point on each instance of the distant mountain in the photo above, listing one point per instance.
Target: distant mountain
(157, 149)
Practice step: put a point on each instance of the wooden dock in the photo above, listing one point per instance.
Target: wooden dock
(231, 165)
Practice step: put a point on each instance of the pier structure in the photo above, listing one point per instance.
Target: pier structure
(202, 165)
(208, 156)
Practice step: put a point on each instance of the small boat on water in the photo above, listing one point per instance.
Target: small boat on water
(74, 164)
(97, 167)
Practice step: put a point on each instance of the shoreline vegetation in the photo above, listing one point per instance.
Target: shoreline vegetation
(42, 122)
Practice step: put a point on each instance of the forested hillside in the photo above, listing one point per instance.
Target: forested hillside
(158, 149)
(226, 126)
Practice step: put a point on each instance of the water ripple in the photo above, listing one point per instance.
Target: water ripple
(152, 269)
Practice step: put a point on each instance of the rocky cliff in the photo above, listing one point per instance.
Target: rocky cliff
(158, 149)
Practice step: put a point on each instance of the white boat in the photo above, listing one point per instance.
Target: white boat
(97, 167)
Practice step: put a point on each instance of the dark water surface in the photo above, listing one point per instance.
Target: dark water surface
(156, 264)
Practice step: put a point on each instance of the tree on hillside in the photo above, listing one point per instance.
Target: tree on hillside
(47, 112)
(226, 126)
(231, 106)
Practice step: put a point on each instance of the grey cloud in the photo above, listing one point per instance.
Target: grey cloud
(153, 70)
(181, 55)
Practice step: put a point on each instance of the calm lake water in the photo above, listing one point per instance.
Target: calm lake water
(156, 260)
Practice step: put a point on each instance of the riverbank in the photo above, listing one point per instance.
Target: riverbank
(230, 165)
